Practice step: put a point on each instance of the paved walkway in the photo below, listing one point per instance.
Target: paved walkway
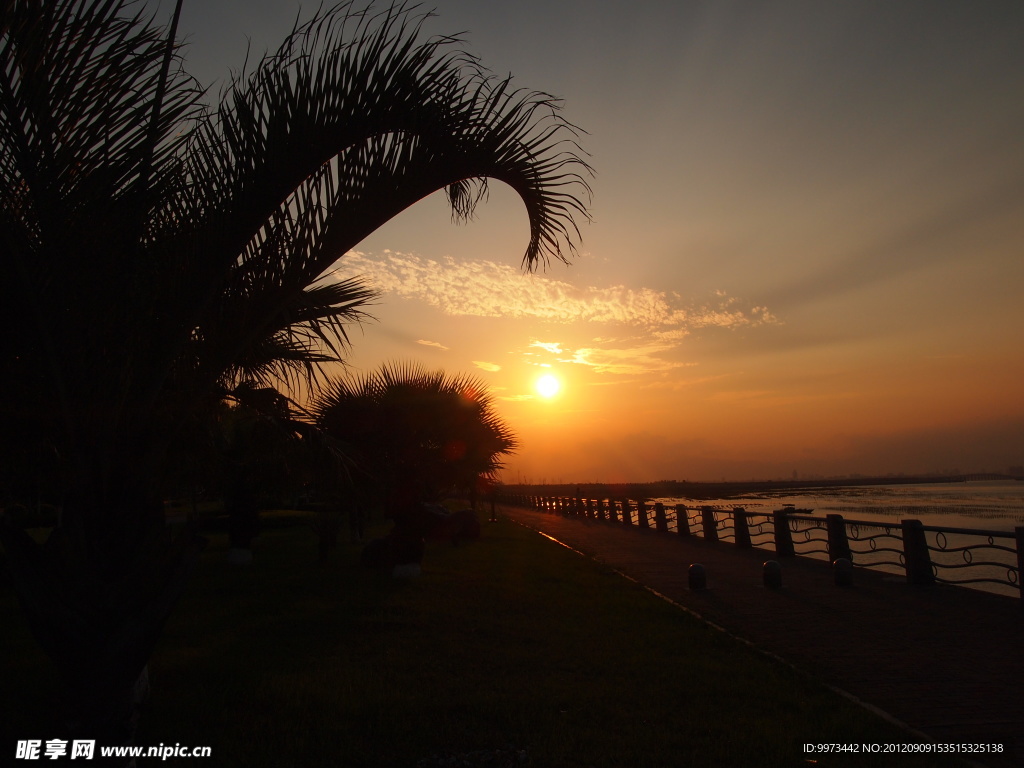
(947, 661)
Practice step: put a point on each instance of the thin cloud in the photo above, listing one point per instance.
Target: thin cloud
(491, 367)
(627, 361)
(615, 356)
(488, 289)
(426, 343)
(550, 346)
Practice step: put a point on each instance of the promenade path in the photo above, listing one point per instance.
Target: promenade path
(946, 661)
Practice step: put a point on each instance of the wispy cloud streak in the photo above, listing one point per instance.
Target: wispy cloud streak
(629, 361)
(489, 289)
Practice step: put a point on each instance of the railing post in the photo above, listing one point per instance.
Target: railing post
(783, 536)
(591, 511)
(627, 512)
(601, 513)
(1019, 530)
(682, 520)
(641, 515)
(613, 511)
(708, 522)
(739, 519)
(838, 543)
(660, 521)
(917, 560)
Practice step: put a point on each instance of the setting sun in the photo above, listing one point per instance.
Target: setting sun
(548, 385)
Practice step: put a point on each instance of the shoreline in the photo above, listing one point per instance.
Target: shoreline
(729, 489)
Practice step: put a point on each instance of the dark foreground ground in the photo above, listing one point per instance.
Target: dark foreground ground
(510, 652)
(946, 661)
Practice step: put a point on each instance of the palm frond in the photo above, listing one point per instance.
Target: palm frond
(328, 139)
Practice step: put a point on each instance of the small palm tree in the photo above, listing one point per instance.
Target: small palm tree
(416, 428)
(157, 253)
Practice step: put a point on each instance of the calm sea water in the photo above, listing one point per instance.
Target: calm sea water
(992, 505)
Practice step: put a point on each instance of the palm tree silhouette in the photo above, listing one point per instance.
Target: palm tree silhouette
(418, 429)
(158, 252)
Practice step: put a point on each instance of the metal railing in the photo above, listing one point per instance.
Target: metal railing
(956, 558)
(926, 554)
(877, 540)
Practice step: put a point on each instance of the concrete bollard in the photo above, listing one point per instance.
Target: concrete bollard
(918, 561)
(709, 523)
(697, 576)
(641, 514)
(682, 520)
(838, 543)
(742, 527)
(842, 572)
(660, 519)
(771, 572)
(783, 536)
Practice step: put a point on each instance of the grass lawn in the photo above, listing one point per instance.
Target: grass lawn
(512, 643)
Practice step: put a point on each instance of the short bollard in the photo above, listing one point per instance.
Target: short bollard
(697, 576)
(842, 572)
(771, 571)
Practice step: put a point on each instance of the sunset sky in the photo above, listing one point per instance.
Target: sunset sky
(806, 253)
